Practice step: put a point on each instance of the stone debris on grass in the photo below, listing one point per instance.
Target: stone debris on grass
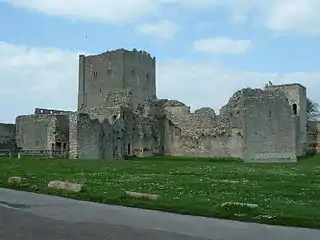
(264, 217)
(65, 185)
(16, 180)
(250, 205)
(142, 195)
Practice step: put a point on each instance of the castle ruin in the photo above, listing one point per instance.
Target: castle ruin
(120, 115)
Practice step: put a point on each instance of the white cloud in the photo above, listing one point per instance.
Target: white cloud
(222, 45)
(47, 77)
(283, 16)
(299, 17)
(295, 16)
(106, 10)
(164, 30)
(101, 10)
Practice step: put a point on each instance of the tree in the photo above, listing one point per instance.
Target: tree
(312, 110)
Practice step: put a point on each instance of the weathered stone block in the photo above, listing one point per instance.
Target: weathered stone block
(16, 180)
(142, 195)
(65, 185)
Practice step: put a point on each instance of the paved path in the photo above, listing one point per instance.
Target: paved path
(30, 216)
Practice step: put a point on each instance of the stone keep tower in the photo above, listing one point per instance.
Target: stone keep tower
(297, 96)
(119, 71)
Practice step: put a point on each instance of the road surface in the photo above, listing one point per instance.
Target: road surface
(29, 216)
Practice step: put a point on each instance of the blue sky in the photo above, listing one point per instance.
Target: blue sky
(205, 49)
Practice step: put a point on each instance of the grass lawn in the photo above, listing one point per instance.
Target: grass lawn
(286, 194)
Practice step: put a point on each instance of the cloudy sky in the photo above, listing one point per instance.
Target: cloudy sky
(205, 49)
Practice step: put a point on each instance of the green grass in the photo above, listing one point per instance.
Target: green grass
(287, 194)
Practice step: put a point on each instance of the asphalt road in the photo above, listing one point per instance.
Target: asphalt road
(31, 216)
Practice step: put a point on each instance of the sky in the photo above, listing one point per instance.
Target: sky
(205, 49)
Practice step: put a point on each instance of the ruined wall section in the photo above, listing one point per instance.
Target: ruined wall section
(34, 132)
(313, 140)
(85, 137)
(7, 136)
(105, 138)
(152, 128)
(201, 133)
(42, 132)
(231, 115)
(110, 105)
(61, 133)
(51, 111)
(269, 131)
(142, 130)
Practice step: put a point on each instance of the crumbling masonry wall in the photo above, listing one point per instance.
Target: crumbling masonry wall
(122, 131)
(42, 132)
(201, 133)
(33, 132)
(85, 137)
(313, 143)
(7, 136)
(256, 125)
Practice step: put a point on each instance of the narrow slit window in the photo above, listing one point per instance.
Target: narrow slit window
(295, 109)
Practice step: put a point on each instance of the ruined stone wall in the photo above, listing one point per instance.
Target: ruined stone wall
(85, 137)
(110, 105)
(269, 131)
(313, 140)
(255, 124)
(201, 133)
(150, 124)
(51, 111)
(110, 138)
(34, 132)
(7, 136)
(42, 132)
(61, 132)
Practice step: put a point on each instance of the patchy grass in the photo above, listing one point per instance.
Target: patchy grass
(286, 194)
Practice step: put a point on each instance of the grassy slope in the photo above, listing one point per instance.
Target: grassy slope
(287, 194)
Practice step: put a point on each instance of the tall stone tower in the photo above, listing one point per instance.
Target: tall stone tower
(115, 78)
(297, 97)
